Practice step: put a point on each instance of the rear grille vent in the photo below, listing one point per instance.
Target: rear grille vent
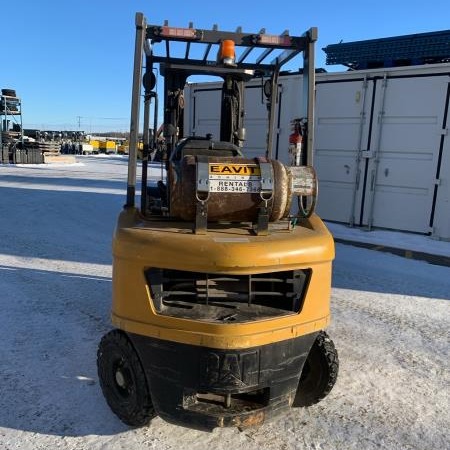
(227, 298)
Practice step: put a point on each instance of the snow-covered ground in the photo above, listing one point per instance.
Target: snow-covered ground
(390, 324)
(392, 239)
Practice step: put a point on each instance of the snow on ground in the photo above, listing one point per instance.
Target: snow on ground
(393, 239)
(390, 325)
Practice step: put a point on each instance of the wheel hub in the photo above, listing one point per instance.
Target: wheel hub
(120, 379)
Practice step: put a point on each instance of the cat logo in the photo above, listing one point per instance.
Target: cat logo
(231, 369)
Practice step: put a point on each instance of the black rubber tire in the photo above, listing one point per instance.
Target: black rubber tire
(123, 380)
(319, 373)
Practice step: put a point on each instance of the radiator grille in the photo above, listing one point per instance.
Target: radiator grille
(227, 298)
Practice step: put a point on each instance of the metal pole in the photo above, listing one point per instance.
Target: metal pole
(273, 102)
(155, 123)
(135, 104)
(309, 81)
(145, 152)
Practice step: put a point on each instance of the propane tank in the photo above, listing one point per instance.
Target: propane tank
(295, 142)
(234, 188)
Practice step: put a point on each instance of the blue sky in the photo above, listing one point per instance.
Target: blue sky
(71, 62)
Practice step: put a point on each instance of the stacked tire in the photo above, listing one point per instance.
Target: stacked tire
(10, 101)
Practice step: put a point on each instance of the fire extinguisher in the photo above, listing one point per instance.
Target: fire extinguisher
(295, 142)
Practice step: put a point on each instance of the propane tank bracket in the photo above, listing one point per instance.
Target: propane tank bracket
(202, 195)
(266, 194)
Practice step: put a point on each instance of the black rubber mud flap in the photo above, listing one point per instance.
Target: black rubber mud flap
(319, 373)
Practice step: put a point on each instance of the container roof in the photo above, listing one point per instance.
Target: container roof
(406, 50)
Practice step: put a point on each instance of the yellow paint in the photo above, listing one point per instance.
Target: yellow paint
(140, 244)
(107, 145)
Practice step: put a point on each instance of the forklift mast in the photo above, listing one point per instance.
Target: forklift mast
(256, 55)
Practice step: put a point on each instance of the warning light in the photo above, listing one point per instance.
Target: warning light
(227, 52)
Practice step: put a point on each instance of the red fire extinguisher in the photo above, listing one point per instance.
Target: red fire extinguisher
(295, 142)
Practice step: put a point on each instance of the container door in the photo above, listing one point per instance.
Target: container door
(341, 139)
(289, 107)
(206, 111)
(404, 153)
(255, 121)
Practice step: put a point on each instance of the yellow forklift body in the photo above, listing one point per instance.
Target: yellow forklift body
(141, 244)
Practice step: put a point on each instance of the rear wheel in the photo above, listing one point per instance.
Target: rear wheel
(319, 373)
(123, 380)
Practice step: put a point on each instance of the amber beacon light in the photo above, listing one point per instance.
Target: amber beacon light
(227, 52)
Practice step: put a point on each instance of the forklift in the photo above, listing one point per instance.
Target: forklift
(222, 269)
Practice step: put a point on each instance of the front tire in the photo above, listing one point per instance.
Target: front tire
(123, 380)
(319, 373)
